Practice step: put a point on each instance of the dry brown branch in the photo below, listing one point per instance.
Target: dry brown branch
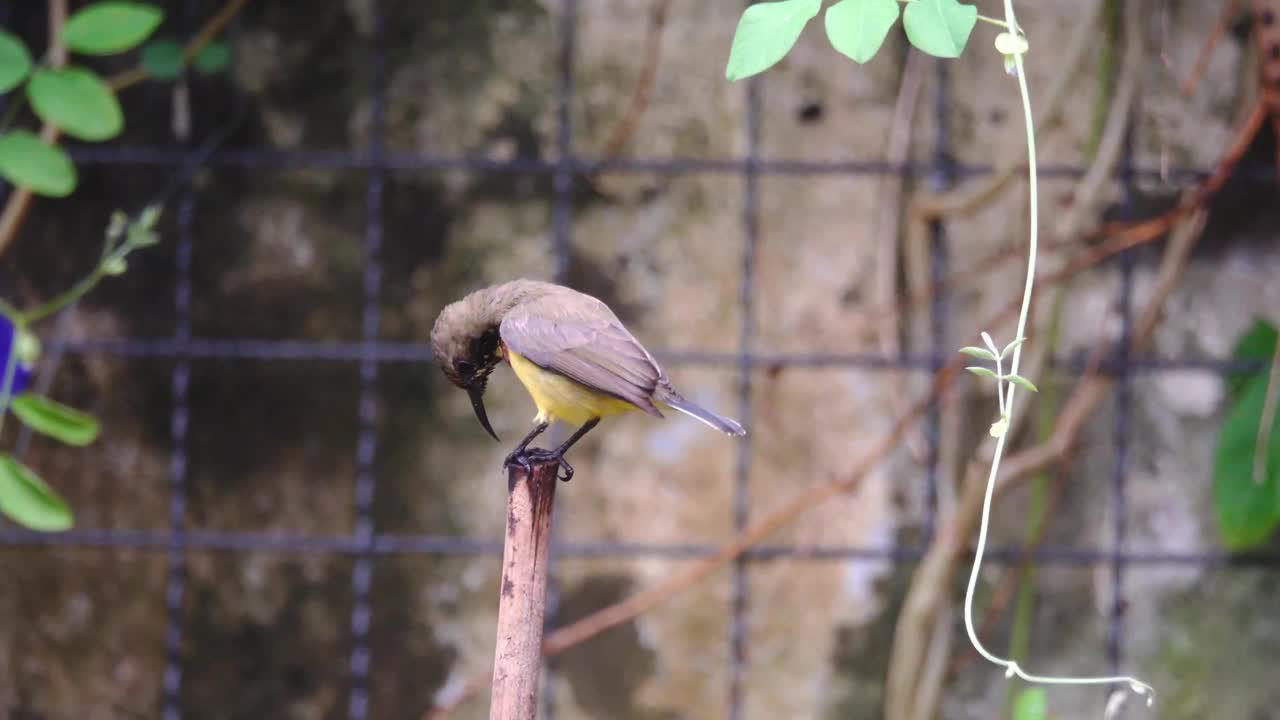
(1126, 234)
(889, 198)
(1118, 121)
(622, 132)
(888, 228)
(1202, 62)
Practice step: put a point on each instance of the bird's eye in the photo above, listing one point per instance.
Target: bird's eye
(464, 367)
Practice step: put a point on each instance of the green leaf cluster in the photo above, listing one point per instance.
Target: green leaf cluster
(1246, 472)
(856, 28)
(24, 497)
(74, 99)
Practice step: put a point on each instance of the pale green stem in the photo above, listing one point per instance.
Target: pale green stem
(1003, 401)
(1012, 668)
(1025, 605)
(81, 288)
(76, 292)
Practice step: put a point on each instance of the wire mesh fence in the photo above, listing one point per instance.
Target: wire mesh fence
(371, 354)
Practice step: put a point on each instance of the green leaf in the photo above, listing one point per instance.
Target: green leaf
(981, 353)
(982, 372)
(28, 501)
(162, 59)
(78, 101)
(939, 27)
(1022, 383)
(56, 420)
(26, 161)
(857, 28)
(1248, 511)
(765, 33)
(1011, 347)
(213, 58)
(986, 339)
(1032, 704)
(1258, 344)
(106, 28)
(15, 61)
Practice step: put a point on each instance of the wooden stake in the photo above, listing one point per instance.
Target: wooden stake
(517, 657)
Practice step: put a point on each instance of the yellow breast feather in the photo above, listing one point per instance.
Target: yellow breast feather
(560, 398)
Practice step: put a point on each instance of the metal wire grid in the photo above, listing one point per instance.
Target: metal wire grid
(180, 383)
(366, 545)
(367, 444)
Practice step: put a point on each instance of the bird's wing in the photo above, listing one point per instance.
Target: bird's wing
(587, 344)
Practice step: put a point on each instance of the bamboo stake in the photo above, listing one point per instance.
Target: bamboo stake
(517, 657)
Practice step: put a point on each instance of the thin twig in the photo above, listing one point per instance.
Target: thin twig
(1116, 126)
(933, 670)
(1206, 52)
(888, 228)
(622, 132)
(57, 19)
(1125, 234)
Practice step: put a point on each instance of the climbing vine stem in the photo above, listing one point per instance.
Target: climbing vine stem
(1012, 669)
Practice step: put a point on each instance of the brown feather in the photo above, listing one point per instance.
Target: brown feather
(579, 337)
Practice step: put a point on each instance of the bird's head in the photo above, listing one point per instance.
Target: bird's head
(466, 346)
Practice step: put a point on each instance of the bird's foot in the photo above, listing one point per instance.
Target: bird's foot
(520, 457)
(528, 457)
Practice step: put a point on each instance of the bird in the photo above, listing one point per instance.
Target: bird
(570, 352)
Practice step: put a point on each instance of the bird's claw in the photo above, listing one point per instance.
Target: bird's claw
(518, 457)
(525, 459)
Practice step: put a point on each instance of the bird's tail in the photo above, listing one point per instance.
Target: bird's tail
(719, 422)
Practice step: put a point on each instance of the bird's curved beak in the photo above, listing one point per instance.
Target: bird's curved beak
(476, 391)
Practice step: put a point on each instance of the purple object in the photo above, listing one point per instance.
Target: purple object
(22, 373)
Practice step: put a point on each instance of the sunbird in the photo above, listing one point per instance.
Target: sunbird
(568, 349)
